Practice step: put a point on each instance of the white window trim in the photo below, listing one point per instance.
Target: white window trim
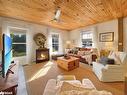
(86, 32)
(23, 29)
(56, 52)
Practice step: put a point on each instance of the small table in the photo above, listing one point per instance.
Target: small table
(68, 64)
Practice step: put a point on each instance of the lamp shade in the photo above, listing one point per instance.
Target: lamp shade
(68, 44)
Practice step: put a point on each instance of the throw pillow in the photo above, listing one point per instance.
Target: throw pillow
(75, 51)
(87, 52)
(117, 59)
(70, 51)
(115, 56)
(81, 53)
(105, 60)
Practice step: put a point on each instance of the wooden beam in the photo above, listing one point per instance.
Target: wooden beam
(0, 38)
(120, 34)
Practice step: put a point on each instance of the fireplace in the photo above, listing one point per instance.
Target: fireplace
(42, 55)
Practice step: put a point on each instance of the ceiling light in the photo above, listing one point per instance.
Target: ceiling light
(57, 14)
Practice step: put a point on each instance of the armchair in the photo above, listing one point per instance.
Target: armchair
(112, 73)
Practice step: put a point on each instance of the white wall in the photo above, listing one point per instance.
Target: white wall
(109, 26)
(32, 29)
(75, 36)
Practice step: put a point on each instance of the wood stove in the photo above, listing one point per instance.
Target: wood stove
(42, 55)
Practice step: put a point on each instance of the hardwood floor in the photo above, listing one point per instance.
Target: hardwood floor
(21, 89)
(37, 76)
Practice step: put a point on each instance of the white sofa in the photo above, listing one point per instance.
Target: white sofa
(112, 73)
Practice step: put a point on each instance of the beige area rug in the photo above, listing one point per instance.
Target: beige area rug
(37, 75)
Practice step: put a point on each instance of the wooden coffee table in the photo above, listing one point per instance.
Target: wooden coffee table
(68, 64)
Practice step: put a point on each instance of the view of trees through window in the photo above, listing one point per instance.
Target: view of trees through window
(87, 39)
(18, 44)
(55, 42)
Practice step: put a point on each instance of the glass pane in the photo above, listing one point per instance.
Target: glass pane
(55, 47)
(87, 36)
(19, 50)
(55, 42)
(18, 38)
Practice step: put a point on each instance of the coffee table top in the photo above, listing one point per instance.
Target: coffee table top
(68, 60)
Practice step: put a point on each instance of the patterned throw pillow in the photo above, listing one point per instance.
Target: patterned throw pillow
(81, 53)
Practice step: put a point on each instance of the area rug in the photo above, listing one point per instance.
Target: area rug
(37, 75)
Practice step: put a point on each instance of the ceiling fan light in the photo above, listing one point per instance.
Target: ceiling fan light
(57, 14)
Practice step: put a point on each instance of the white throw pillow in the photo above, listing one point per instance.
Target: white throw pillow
(115, 56)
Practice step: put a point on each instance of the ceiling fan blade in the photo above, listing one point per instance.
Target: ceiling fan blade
(57, 13)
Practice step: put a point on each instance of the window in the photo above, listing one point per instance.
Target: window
(55, 42)
(86, 38)
(18, 44)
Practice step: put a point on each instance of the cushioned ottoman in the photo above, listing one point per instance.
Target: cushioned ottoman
(54, 57)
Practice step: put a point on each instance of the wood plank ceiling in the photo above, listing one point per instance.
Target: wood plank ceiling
(74, 13)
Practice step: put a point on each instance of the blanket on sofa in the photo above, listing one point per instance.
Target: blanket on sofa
(78, 89)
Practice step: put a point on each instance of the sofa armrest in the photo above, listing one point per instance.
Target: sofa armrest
(113, 66)
(98, 65)
(50, 88)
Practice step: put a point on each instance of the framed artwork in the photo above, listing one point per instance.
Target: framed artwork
(106, 37)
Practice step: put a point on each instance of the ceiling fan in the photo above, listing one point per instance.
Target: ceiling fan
(58, 10)
(57, 15)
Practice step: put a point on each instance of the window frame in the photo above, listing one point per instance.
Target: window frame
(56, 43)
(23, 43)
(87, 38)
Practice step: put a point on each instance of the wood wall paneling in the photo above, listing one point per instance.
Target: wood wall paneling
(0, 38)
(120, 34)
(75, 13)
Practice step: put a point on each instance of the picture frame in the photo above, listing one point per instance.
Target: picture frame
(106, 37)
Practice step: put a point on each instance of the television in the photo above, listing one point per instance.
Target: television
(6, 54)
